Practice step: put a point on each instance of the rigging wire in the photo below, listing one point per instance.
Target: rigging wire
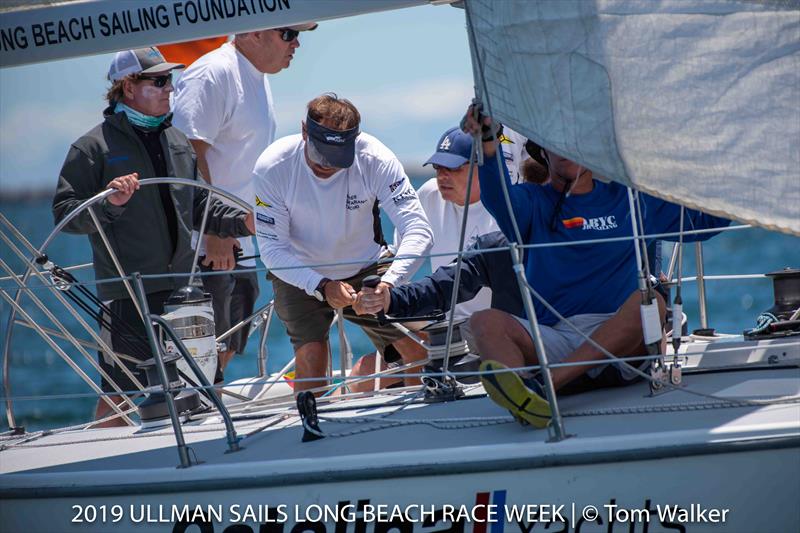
(516, 257)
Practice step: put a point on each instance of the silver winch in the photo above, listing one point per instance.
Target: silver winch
(191, 316)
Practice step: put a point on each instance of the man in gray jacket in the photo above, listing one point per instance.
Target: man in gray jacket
(149, 232)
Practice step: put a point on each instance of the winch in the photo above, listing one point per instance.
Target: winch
(783, 318)
(153, 411)
(191, 317)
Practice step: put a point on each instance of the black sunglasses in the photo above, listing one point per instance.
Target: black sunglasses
(437, 168)
(158, 81)
(287, 34)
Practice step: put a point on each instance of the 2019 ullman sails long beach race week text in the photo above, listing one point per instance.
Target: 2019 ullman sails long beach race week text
(596, 326)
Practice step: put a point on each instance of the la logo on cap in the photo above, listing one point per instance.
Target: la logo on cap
(445, 144)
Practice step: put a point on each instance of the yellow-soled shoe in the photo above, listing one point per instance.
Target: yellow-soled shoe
(509, 391)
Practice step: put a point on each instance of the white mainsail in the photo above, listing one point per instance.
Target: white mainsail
(695, 102)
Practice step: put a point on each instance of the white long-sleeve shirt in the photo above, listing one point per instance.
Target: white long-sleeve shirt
(304, 221)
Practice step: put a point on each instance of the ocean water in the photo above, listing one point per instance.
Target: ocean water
(36, 369)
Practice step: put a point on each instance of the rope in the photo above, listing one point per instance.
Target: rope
(762, 323)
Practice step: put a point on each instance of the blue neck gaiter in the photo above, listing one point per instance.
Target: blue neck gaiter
(139, 119)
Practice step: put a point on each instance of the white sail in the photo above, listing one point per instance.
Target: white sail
(695, 102)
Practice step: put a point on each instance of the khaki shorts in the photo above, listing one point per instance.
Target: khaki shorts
(560, 341)
(309, 320)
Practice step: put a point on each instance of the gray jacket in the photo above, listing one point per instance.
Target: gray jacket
(138, 231)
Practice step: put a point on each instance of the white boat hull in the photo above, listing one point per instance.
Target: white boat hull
(639, 496)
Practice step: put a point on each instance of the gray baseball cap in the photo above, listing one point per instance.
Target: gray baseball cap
(139, 61)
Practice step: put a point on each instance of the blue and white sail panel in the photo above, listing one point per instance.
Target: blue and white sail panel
(695, 102)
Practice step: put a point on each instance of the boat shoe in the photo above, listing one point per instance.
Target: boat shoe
(525, 400)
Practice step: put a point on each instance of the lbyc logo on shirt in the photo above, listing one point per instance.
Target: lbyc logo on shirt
(598, 223)
(393, 187)
(261, 203)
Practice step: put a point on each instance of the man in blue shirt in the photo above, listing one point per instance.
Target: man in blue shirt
(594, 286)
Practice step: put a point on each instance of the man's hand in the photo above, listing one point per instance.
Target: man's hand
(220, 252)
(474, 122)
(339, 294)
(125, 186)
(370, 301)
(248, 221)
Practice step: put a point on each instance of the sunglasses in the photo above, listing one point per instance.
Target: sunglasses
(287, 34)
(437, 168)
(158, 81)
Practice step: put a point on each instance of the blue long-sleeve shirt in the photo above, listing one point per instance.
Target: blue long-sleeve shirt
(478, 270)
(578, 279)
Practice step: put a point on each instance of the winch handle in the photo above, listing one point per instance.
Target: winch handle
(372, 282)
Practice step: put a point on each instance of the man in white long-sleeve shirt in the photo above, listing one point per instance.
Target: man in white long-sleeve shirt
(317, 198)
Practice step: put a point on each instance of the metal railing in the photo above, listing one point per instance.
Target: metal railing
(31, 268)
(263, 314)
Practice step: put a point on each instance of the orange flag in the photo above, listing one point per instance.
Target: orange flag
(188, 52)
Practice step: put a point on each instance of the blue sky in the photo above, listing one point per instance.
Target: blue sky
(407, 71)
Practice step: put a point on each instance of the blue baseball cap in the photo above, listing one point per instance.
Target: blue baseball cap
(453, 149)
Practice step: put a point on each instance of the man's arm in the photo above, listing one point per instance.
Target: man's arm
(434, 292)
(492, 195)
(223, 220)
(200, 150)
(80, 179)
(220, 251)
(661, 216)
(399, 199)
(200, 111)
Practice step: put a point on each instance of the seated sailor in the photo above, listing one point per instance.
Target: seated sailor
(593, 287)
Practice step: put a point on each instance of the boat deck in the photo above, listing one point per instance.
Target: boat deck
(399, 435)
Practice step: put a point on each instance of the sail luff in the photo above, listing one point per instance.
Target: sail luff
(694, 102)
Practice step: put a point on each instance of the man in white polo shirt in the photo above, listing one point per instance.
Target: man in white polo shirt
(318, 229)
(223, 104)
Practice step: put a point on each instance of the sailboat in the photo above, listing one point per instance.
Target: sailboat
(640, 92)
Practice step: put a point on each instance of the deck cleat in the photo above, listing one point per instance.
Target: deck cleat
(440, 388)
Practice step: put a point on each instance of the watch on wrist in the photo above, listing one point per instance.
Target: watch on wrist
(319, 292)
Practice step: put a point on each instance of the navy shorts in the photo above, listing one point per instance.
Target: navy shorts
(129, 339)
